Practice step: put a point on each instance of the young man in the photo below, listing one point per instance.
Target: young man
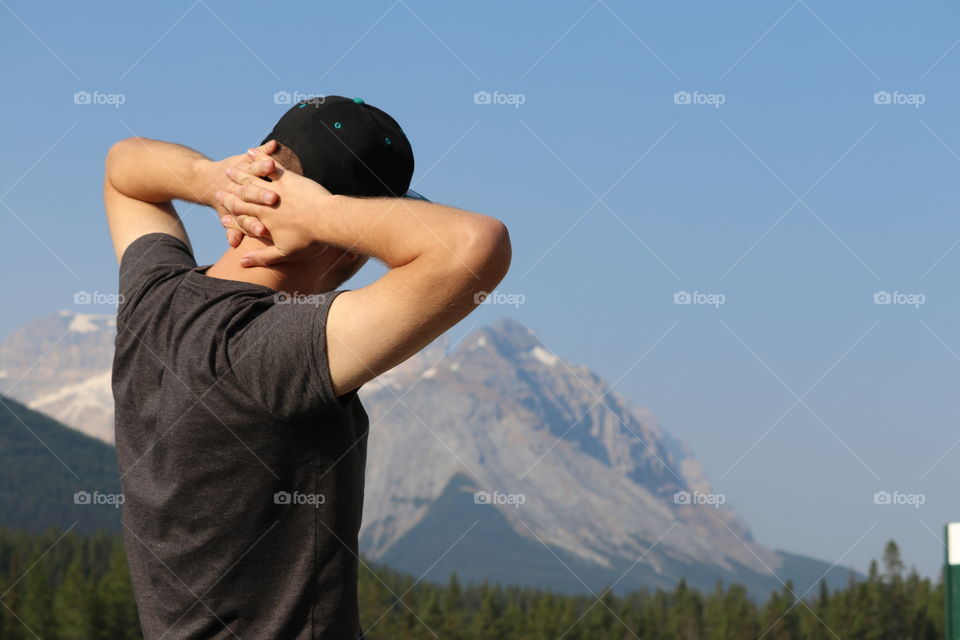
(239, 432)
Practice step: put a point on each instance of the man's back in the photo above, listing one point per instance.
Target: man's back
(242, 472)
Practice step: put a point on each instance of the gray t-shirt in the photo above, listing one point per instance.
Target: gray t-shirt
(242, 471)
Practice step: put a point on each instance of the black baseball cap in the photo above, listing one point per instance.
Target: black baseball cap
(348, 146)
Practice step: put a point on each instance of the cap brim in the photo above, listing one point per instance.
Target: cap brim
(416, 196)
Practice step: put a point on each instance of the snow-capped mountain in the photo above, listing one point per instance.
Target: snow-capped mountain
(60, 365)
(495, 458)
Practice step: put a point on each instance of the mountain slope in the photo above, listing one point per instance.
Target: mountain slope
(597, 478)
(43, 464)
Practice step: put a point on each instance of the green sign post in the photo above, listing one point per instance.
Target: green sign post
(951, 578)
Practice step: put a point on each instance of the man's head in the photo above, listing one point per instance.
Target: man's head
(334, 265)
(351, 148)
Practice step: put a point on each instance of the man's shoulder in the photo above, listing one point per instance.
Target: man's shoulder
(149, 260)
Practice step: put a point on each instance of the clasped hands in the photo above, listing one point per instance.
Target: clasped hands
(261, 199)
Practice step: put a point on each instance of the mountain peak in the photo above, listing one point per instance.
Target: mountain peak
(507, 336)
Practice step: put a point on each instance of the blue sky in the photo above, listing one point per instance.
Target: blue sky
(784, 188)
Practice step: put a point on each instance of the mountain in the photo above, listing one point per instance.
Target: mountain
(495, 458)
(60, 365)
(595, 479)
(43, 466)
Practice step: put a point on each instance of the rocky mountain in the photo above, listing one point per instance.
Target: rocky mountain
(493, 457)
(60, 365)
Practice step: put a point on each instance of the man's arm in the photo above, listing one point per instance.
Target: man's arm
(439, 259)
(142, 178)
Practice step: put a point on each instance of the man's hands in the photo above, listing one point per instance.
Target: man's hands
(142, 177)
(284, 210)
(215, 178)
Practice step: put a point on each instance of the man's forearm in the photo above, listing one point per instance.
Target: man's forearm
(155, 171)
(401, 230)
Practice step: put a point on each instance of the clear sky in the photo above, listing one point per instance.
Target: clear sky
(778, 185)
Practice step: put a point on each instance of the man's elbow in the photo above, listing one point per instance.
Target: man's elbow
(116, 157)
(487, 251)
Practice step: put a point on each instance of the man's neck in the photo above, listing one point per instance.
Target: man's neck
(304, 277)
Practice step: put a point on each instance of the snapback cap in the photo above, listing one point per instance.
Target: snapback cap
(348, 146)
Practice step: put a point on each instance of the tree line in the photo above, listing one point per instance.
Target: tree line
(58, 586)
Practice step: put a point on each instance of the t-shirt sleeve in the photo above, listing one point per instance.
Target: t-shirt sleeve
(146, 261)
(280, 358)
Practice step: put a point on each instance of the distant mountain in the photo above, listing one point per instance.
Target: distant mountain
(60, 365)
(597, 479)
(495, 458)
(43, 466)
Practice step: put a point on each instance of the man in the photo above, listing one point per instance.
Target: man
(239, 432)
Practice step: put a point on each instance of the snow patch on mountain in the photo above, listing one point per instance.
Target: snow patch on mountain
(88, 403)
(544, 356)
(83, 323)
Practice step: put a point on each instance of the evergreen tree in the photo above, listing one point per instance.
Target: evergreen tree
(73, 604)
(120, 621)
(38, 602)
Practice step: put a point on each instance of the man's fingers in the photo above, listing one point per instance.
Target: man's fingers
(234, 238)
(258, 155)
(262, 167)
(268, 147)
(251, 226)
(245, 224)
(254, 194)
(262, 257)
(232, 203)
(240, 174)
